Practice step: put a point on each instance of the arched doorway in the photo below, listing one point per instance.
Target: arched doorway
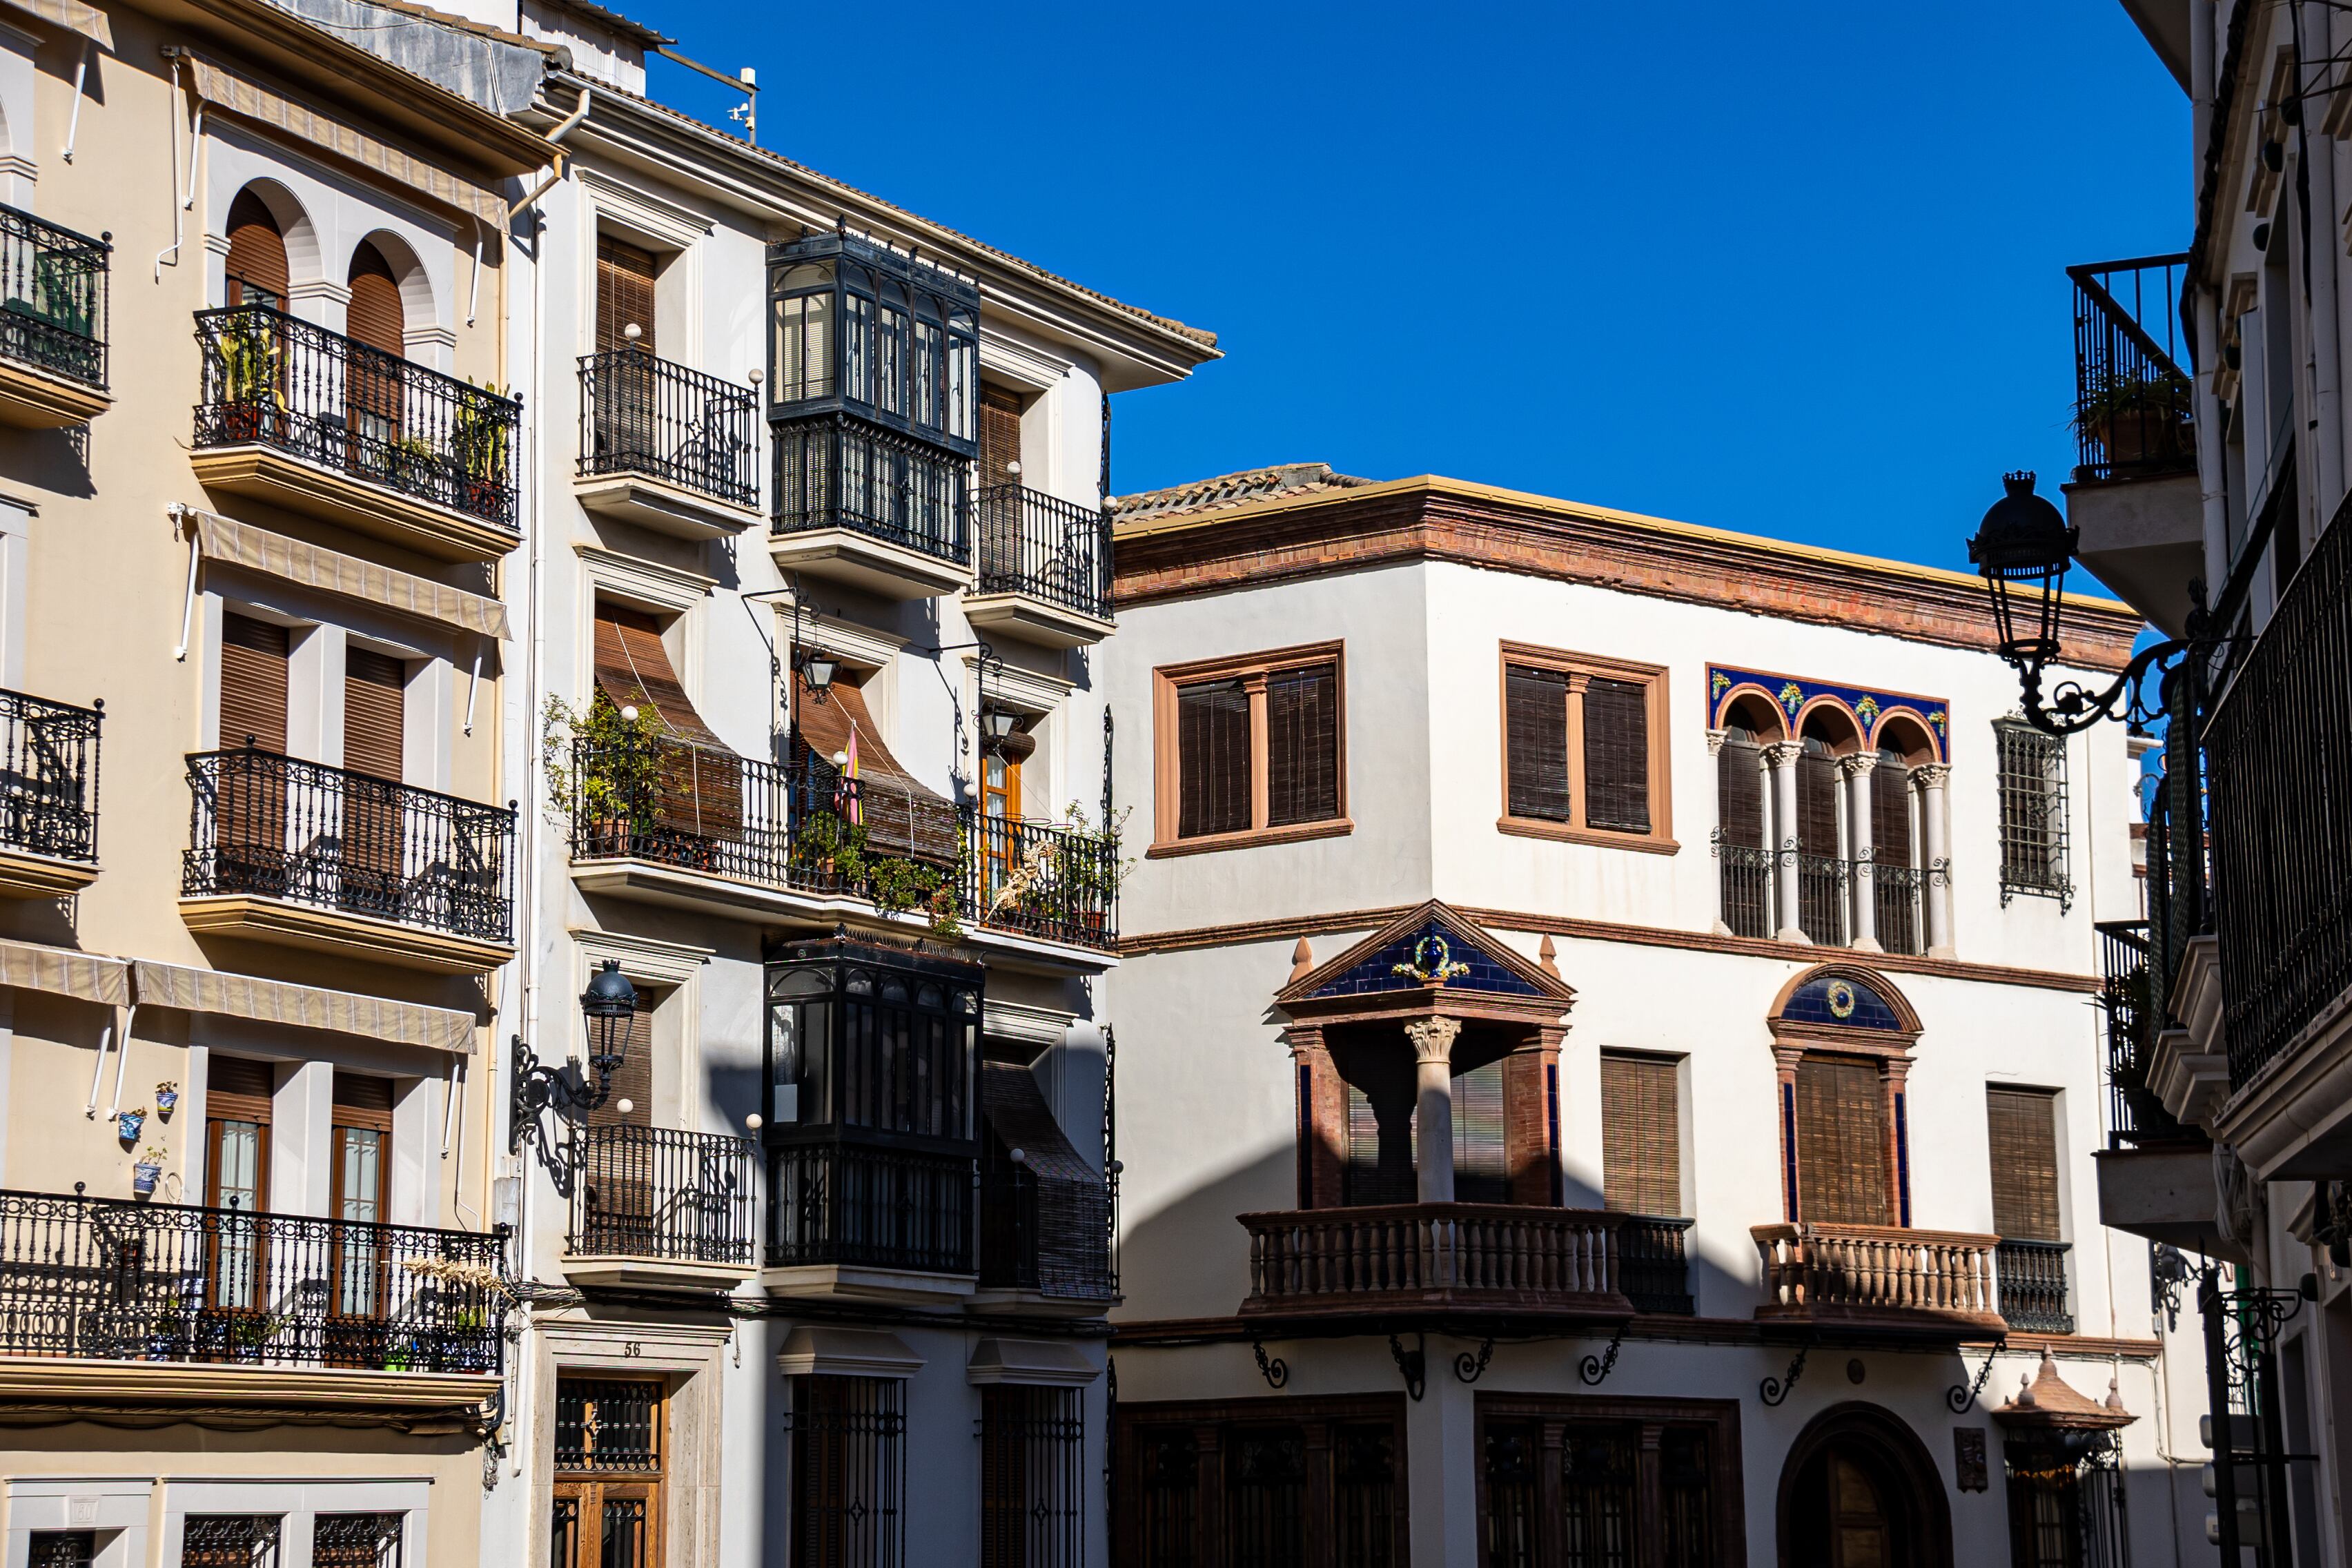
(1858, 1490)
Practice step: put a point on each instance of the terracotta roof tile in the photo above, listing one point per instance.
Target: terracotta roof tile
(1226, 490)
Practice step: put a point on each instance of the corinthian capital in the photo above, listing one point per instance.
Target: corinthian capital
(1433, 1038)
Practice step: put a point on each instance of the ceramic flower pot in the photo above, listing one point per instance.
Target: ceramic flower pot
(144, 1177)
(128, 1124)
(167, 1100)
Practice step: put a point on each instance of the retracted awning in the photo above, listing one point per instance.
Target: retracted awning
(302, 1007)
(236, 544)
(88, 20)
(31, 967)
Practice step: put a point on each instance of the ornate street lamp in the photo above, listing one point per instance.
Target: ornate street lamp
(608, 1005)
(2023, 548)
(817, 669)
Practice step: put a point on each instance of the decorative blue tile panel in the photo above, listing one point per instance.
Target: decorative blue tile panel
(1400, 965)
(1868, 707)
(1835, 999)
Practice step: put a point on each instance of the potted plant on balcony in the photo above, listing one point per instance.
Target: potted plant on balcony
(603, 765)
(250, 394)
(147, 1170)
(2137, 417)
(167, 1099)
(129, 1123)
(1091, 871)
(478, 438)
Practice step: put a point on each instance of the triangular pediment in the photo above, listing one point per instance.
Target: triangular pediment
(1432, 947)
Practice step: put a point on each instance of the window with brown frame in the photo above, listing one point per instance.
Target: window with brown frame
(2022, 1127)
(1252, 1481)
(1841, 1142)
(1250, 749)
(1584, 748)
(1580, 1481)
(1641, 1134)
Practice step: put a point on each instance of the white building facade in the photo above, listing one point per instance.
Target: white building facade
(1703, 893)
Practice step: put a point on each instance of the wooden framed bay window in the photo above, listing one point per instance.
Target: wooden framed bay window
(1250, 749)
(1584, 748)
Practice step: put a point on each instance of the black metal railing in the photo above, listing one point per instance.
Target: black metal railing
(1655, 1265)
(2282, 816)
(839, 471)
(707, 809)
(639, 415)
(834, 1202)
(1046, 548)
(1060, 883)
(654, 1193)
(104, 1280)
(2134, 408)
(1009, 1226)
(1823, 883)
(48, 777)
(1898, 910)
(2135, 1116)
(273, 380)
(2032, 1277)
(1746, 872)
(276, 827)
(53, 293)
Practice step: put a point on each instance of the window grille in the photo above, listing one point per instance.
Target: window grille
(356, 1541)
(2067, 1510)
(1032, 1478)
(607, 1425)
(2032, 812)
(848, 1447)
(1267, 1494)
(1364, 1493)
(62, 1549)
(229, 1541)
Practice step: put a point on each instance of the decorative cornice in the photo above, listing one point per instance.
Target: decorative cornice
(1180, 1333)
(1291, 927)
(1432, 519)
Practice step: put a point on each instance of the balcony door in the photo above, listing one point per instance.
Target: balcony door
(372, 381)
(623, 416)
(618, 1179)
(999, 808)
(250, 804)
(358, 1292)
(1000, 465)
(256, 269)
(237, 1180)
(375, 722)
(1842, 1140)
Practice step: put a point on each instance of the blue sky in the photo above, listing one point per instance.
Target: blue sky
(1791, 270)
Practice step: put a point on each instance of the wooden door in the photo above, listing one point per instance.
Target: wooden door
(610, 1462)
(235, 1304)
(1000, 806)
(1861, 1534)
(359, 1286)
(616, 1177)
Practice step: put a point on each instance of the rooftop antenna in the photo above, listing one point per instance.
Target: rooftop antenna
(745, 81)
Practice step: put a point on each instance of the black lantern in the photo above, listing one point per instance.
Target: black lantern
(995, 725)
(2023, 548)
(609, 1004)
(817, 670)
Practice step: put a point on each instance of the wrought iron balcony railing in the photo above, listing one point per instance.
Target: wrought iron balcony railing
(2133, 404)
(2135, 1116)
(1897, 916)
(1046, 548)
(277, 827)
(103, 1280)
(273, 380)
(1023, 1219)
(1746, 872)
(836, 470)
(1823, 883)
(844, 1202)
(2033, 1287)
(48, 777)
(654, 1193)
(1656, 1266)
(1469, 1257)
(2281, 827)
(639, 415)
(709, 810)
(52, 294)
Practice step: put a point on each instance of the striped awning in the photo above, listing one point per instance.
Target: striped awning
(302, 1007)
(88, 20)
(29, 966)
(236, 544)
(225, 88)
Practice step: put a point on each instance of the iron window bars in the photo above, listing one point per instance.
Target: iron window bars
(2033, 773)
(1045, 548)
(356, 1541)
(648, 1192)
(2134, 409)
(48, 777)
(1033, 1450)
(849, 1472)
(609, 1426)
(640, 414)
(105, 1279)
(278, 827)
(2032, 1278)
(274, 380)
(2066, 1501)
(229, 1541)
(2135, 1116)
(62, 1549)
(1651, 1251)
(53, 298)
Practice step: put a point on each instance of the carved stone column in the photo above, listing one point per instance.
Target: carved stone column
(1715, 739)
(1433, 1119)
(1530, 1153)
(1322, 1118)
(1784, 1088)
(1780, 828)
(1936, 827)
(1856, 769)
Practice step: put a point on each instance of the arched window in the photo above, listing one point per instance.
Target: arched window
(257, 273)
(1843, 1039)
(376, 317)
(1820, 862)
(1741, 842)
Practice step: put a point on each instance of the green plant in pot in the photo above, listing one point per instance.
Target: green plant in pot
(2137, 417)
(250, 353)
(478, 436)
(603, 764)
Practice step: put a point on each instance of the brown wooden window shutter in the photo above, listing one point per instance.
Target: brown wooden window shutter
(1890, 810)
(1817, 791)
(625, 295)
(256, 269)
(902, 814)
(360, 1100)
(633, 1080)
(698, 790)
(1302, 745)
(1617, 755)
(1841, 1142)
(374, 712)
(1641, 1135)
(1380, 1169)
(1739, 792)
(1213, 750)
(999, 436)
(375, 316)
(240, 1079)
(2023, 1124)
(253, 683)
(1481, 1171)
(1535, 734)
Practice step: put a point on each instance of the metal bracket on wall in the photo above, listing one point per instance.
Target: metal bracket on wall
(1595, 1369)
(1413, 1363)
(1469, 1367)
(1274, 1369)
(1775, 1389)
(1960, 1396)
